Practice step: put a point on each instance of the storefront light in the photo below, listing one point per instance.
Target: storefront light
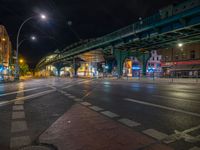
(136, 68)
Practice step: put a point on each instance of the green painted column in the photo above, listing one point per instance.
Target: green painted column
(58, 68)
(143, 58)
(75, 67)
(120, 56)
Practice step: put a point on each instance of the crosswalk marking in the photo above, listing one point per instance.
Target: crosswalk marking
(18, 107)
(18, 126)
(86, 104)
(129, 122)
(16, 142)
(155, 134)
(18, 115)
(110, 114)
(96, 108)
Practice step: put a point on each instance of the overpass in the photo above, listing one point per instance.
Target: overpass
(166, 28)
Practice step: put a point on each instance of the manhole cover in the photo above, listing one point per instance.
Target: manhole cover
(36, 148)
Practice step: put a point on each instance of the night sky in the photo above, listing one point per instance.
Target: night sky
(90, 19)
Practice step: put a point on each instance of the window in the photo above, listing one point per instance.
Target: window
(183, 56)
(192, 54)
(176, 57)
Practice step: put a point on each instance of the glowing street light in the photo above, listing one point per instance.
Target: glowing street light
(43, 17)
(33, 38)
(21, 60)
(180, 44)
(3, 39)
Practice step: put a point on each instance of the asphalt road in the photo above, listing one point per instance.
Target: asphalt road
(158, 110)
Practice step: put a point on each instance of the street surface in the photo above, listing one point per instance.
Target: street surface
(166, 112)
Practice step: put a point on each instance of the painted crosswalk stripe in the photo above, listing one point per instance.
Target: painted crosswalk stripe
(18, 107)
(96, 108)
(78, 100)
(19, 103)
(71, 96)
(16, 142)
(18, 115)
(18, 126)
(155, 134)
(86, 104)
(129, 122)
(110, 114)
(195, 148)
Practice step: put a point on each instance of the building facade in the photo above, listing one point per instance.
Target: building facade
(5, 52)
(181, 61)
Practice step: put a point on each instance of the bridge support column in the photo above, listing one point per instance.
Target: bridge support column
(58, 68)
(120, 56)
(143, 58)
(75, 68)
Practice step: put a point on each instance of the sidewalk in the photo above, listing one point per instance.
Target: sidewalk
(84, 129)
(157, 80)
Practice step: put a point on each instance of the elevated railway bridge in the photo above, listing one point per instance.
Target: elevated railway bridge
(166, 28)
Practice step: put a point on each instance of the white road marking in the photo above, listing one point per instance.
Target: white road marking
(155, 134)
(17, 142)
(195, 148)
(71, 96)
(163, 107)
(18, 107)
(18, 115)
(129, 122)
(177, 99)
(19, 103)
(183, 135)
(96, 108)
(27, 97)
(32, 89)
(110, 114)
(18, 126)
(78, 100)
(20, 94)
(86, 104)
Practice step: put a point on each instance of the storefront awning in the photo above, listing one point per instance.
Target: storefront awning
(185, 67)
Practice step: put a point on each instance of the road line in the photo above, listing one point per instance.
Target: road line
(109, 114)
(195, 148)
(155, 134)
(86, 104)
(96, 108)
(177, 99)
(18, 107)
(19, 102)
(17, 142)
(18, 115)
(129, 122)
(18, 126)
(78, 100)
(163, 107)
(32, 89)
(26, 97)
(71, 96)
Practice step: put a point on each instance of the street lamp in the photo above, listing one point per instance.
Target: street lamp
(180, 44)
(21, 60)
(33, 38)
(43, 17)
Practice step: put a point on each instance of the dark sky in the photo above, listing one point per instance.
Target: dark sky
(90, 19)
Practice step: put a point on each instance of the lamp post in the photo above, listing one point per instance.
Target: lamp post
(43, 17)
